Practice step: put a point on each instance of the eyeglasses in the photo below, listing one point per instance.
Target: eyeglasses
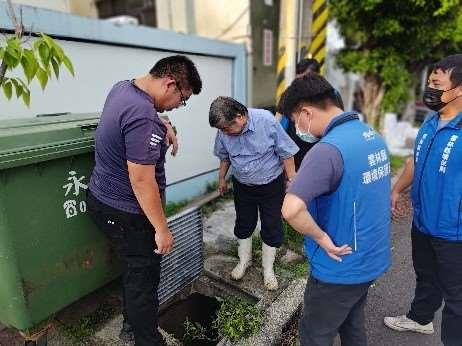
(182, 98)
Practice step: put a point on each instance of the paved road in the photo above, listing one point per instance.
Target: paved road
(392, 295)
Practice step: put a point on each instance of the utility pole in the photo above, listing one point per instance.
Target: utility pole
(318, 43)
(287, 45)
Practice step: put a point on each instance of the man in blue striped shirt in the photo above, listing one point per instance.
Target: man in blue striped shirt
(258, 150)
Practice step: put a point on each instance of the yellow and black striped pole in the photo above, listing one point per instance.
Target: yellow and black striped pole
(317, 49)
(281, 72)
(285, 68)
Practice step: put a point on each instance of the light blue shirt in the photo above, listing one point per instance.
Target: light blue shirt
(256, 154)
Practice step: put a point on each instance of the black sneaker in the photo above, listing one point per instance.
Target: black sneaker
(126, 333)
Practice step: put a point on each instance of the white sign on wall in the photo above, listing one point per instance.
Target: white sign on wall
(267, 47)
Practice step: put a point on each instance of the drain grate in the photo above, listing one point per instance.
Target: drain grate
(185, 262)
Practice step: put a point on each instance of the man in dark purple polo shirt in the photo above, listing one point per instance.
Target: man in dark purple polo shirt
(128, 183)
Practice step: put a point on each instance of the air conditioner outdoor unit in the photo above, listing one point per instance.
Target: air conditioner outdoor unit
(123, 20)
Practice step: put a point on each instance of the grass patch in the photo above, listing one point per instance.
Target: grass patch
(85, 327)
(396, 162)
(256, 248)
(213, 205)
(232, 249)
(292, 239)
(298, 270)
(172, 208)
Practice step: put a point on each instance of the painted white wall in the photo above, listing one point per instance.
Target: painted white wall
(57, 5)
(78, 7)
(343, 82)
(99, 66)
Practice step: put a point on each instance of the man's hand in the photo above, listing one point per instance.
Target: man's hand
(164, 242)
(222, 186)
(394, 204)
(289, 181)
(171, 139)
(334, 252)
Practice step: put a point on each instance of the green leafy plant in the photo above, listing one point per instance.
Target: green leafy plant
(38, 59)
(238, 319)
(194, 332)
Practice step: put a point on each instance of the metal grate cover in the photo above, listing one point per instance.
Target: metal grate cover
(184, 263)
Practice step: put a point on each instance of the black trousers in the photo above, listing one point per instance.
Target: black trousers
(331, 309)
(438, 268)
(266, 199)
(132, 237)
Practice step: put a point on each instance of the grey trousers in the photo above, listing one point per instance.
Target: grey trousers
(331, 309)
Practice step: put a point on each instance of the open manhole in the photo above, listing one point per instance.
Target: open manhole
(191, 320)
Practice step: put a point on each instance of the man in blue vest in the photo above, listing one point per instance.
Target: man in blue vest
(436, 178)
(343, 210)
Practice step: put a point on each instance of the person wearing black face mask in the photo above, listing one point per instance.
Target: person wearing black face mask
(436, 179)
(433, 98)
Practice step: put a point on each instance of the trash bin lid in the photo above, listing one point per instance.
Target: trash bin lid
(26, 141)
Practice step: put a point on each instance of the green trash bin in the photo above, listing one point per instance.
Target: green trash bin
(51, 253)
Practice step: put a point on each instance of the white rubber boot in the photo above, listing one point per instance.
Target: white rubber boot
(268, 256)
(244, 252)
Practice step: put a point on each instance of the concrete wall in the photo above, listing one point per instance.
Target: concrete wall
(85, 8)
(238, 21)
(264, 17)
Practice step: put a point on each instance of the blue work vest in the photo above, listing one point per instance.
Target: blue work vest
(437, 183)
(358, 212)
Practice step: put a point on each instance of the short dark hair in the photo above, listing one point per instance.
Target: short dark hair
(224, 110)
(453, 64)
(312, 89)
(180, 68)
(307, 64)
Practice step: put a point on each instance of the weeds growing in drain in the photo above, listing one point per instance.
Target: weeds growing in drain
(194, 332)
(236, 319)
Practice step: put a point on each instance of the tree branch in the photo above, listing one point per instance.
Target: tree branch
(2, 71)
(18, 27)
(18, 31)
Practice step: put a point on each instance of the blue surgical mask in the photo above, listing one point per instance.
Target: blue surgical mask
(306, 136)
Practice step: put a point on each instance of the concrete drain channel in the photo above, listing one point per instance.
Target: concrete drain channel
(196, 293)
(200, 302)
